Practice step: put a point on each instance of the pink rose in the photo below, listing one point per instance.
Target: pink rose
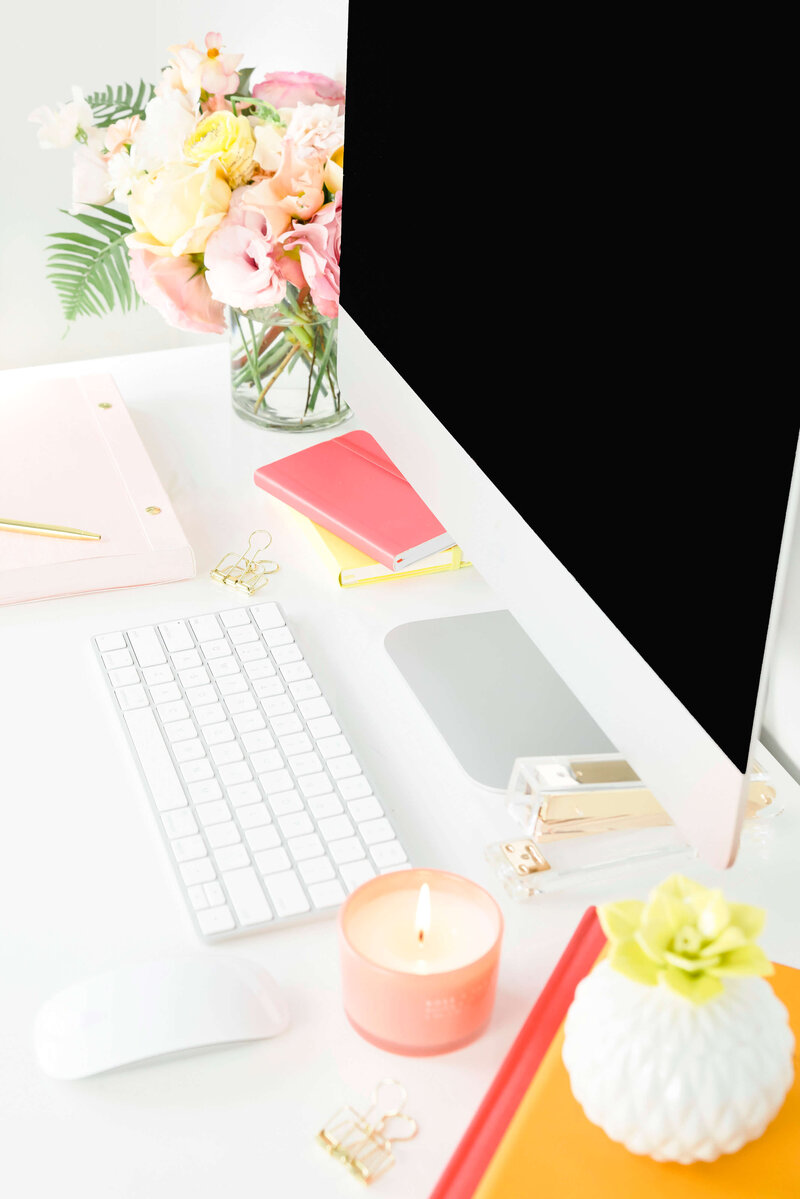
(176, 288)
(241, 259)
(285, 89)
(295, 190)
(318, 244)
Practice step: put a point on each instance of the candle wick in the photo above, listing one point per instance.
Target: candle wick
(421, 936)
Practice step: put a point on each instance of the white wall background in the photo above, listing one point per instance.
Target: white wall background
(50, 45)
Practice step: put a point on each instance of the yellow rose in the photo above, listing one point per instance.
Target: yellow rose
(227, 138)
(176, 209)
(333, 171)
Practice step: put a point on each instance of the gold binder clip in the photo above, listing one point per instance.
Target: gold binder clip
(363, 1142)
(249, 571)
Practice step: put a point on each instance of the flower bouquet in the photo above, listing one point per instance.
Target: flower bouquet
(219, 203)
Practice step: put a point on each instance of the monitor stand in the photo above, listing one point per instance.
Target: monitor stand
(491, 693)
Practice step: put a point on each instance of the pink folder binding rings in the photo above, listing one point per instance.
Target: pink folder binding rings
(70, 456)
(349, 486)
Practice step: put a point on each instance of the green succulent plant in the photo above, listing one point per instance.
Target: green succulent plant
(686, 936)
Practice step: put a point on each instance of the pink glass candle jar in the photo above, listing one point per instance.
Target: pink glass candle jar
(420, 951)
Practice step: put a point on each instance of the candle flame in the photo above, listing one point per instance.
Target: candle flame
(423, 917)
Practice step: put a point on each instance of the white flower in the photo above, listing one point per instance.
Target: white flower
(317, 128)
(168, 121)
(60, 128)
(123, 174)
(91, 182)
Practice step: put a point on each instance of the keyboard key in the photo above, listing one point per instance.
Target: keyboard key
(348, 850)
(388, 853)
(209, 714)
(296, 824)
(290, 723)
(266, 688)
(176, 636)
(333, 828)
(313, 707)
(294, 671)
(344, 768)
(248, 899)
(374, 831)
(276, 781)
(214, 894)
(123, 676)
(278, 705)
(229, 751)
(323, 726)
(253, 815)
(222, 667)
(129, 698)
(231, 684)
(180, 823)
(235, 617)
(365, 809)
(315, 784)
(267, 616)
(164, 693)
(245, 702)
(286, 893)
(302, 764)
(228, 857)
(248, 722)
(324, 805)
(308, 846)
(109, 641)
(189, 751)
(147, 647)
(326, 895)
(356, 873)
(242, 794)
(215, 649)
(206, 628)
(285, 802)
(236, 772)
(154, 675)
(186, 849)
(176, 710)
(255, 741)
(116, 658)
(216, 920)
(196, 677)
(295, 743)
(213, 813)
(266, 760)
(197, 770)
(243, 634)
(204, 791)
(254, 652)
(200, 871)
(204, 694)
(286, 653)
(218, 734)
(180, 730)
(279, 636)
(222, 834)
(316, 870)
(263, 836)
(305, 689)
(186, 659)
(197, 897)
(354, 788)
(270, 861)
(262, 669)
(333, 747)
(155, 760)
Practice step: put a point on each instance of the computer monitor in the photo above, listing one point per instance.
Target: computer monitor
(580, 437)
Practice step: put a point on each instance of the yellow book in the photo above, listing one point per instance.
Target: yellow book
(352, 568)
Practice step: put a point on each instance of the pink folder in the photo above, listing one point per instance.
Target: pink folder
(70, 455)
(349, 486)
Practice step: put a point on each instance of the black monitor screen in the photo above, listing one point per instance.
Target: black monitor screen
(578, 323)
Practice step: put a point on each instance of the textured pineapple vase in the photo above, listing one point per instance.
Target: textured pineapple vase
(672, 1079)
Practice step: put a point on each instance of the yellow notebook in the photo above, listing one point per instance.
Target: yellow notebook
(352, 568)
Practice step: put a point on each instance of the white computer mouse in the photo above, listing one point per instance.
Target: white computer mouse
(142, 1011)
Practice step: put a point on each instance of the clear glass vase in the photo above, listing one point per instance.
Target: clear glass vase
(283, 365)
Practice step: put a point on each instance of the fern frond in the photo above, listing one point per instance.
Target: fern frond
(91, 274)
(115, 104)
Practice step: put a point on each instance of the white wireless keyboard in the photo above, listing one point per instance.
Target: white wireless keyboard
(263, 805)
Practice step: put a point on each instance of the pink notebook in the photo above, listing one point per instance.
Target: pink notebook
(349, 486)
(70, 455)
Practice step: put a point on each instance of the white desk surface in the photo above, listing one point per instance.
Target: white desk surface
(85, 884)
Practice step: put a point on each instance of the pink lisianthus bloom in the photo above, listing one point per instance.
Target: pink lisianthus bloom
(287, 89)
(318, 244)
(178, 290)
(242, 259)
(295, 190)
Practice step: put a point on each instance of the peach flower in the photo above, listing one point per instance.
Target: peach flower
(295, 190)
(318, 244)
(212, 71)
(178, 290)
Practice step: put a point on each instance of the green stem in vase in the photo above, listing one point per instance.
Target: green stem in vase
(323, 364)
(250, 361)
(294, 350)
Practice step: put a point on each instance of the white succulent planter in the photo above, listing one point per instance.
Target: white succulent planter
(672, 1079)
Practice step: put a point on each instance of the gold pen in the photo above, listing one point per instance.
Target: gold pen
(25, 526)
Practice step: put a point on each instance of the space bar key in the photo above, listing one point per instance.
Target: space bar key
(155, 760)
